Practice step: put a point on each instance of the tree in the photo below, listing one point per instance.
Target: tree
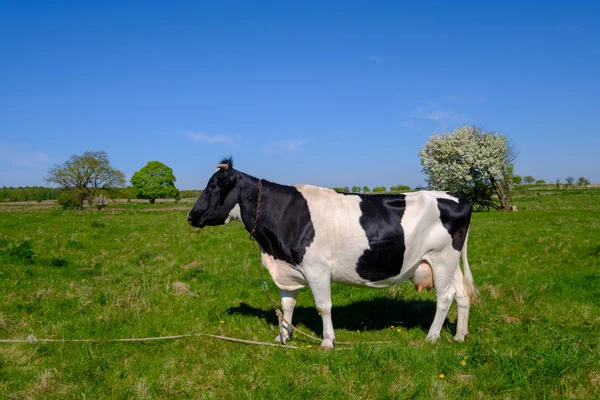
(379, 189)
(582, 181)
(517, 180)
(355, 189)
(341, 190)
(471, 162)
(399, 188)
(366, 189)
(87, 174)
(557, 184)
(154, 181)
(540, 182)
(569, 180)
(529, 179)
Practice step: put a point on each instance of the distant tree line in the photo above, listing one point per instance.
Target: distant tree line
(366, 189)
(28, 193)
(569, 180)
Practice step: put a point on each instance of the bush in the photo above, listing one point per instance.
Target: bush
(68, 200)
(399, 188)
(23, 251)
(58, 262)
(100, 202)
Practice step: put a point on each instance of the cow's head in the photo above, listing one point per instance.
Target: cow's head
(218, 199)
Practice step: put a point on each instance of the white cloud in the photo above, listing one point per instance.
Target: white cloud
(294, 144)
(214, 138)
(285, 146)
(23, 159)
(375, 59)
(437, 115)
(410, 124)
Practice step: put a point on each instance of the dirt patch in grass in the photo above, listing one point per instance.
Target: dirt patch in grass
(191, 265)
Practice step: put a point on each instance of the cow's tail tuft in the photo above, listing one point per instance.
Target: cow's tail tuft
(468, 282)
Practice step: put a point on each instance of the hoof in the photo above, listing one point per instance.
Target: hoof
(432, 338)
(459, 338)
(327, 344)
(280, 339)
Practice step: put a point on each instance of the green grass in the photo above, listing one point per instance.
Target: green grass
(125, 272)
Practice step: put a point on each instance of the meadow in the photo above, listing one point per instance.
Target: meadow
(124, 272)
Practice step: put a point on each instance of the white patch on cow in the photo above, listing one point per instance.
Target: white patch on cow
(285, 276)
(441, 195)
(234, 215)
(339, 238)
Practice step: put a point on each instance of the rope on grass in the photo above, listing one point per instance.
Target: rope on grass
(33, 339)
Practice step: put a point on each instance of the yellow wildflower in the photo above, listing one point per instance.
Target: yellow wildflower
(309, 346)
(442, 376)
(463, 362)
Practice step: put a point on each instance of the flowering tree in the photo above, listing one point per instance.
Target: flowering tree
(471, 162)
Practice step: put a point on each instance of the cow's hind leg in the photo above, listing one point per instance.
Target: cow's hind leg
(288, 302)
(463, 304)
(444, 268)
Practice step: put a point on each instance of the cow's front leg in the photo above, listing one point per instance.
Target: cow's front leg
(288, 302)
(321, 290)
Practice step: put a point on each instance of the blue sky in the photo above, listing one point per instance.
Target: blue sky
(336, 93)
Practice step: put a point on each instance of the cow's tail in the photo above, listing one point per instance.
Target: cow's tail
(468, 282)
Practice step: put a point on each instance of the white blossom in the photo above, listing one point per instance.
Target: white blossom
(453, 160)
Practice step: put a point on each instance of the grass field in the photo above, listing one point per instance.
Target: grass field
(123, 272)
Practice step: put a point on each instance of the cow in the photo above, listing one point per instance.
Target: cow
(313, 236)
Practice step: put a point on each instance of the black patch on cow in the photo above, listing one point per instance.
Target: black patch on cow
(381, 217)
(284, 229)
(456, 218)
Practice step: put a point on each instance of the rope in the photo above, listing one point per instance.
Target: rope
(33, 339)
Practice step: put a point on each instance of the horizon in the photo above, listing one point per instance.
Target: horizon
(329, 94)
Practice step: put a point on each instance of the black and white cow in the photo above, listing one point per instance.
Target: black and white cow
(312, 236)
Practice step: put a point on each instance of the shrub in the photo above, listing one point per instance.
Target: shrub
(23, 251)
(583, 181)
(58, 262)
(341, 190)
(67, 200)
(100, 202)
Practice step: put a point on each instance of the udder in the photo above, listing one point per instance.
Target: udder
(423, 277)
